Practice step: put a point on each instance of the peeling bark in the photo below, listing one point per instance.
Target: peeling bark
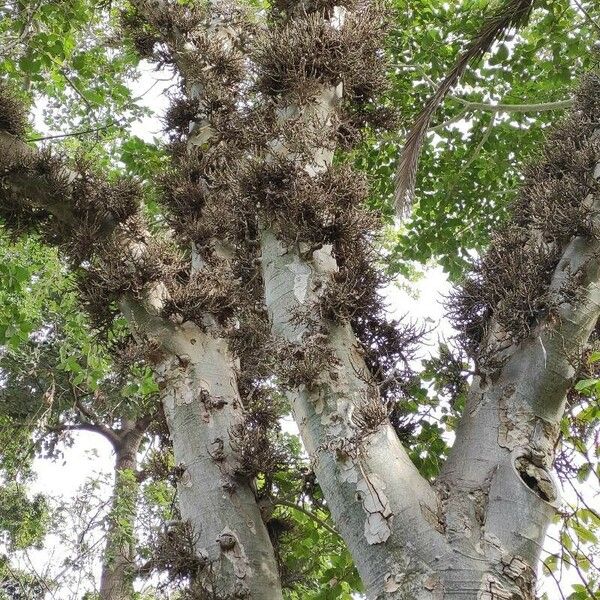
(505, 444)
(202, 401)
(377, 498)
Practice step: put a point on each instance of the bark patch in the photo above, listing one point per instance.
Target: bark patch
(370, 492)
(234, 552)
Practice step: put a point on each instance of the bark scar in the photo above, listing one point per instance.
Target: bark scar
(370, 492)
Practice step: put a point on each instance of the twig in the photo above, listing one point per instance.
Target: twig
(513, 108)
(458, 117)
(309, 515)
(587, 15)
(93, 419)
(76, 89)
(478, 148)
(557, 583)
(72, 134)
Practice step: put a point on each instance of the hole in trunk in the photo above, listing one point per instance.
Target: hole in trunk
(538, 480)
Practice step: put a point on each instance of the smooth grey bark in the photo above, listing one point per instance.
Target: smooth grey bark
(116, 580)
(383, 508)
(202, 404)
(202, 401)
(386, 512)
(505, 445)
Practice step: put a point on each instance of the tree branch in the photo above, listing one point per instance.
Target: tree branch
(587, 15)
(470, 106)
(32, 188)
(513, 108)
(309, 514)
(505, 444)
(94, 421)
(91, 427)
(455, 119)
(72, 134)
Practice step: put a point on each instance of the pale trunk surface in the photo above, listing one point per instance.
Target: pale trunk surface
(499, 490)
(481, 537)
(382, 507)
(202, 405)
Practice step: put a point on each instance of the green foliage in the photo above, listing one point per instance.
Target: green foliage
(23, 520)
(328, 572)
(578, 467)
(16, 584)
(65, 52)
(28, 273)
(124, 510)
(470, 169)
(315, 562)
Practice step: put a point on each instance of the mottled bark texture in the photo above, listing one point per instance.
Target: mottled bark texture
(381, 505)
(196, 372)
(202, 399)
(271, 218)
(526, 316)
(202, 404)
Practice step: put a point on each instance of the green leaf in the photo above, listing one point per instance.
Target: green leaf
(585, 384)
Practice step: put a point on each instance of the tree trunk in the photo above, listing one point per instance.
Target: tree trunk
(499, 490)
(385, 511)
(116, 582)
(202, 404)
(478, 532)
(199, 389)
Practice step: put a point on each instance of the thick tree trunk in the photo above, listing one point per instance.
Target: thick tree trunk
(200, 395)
(497, 494)
(202, 404)
(197, 379)
(202, 407)
(385, 511)
(116, 581)
(499, 490)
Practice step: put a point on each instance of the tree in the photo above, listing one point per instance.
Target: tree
(246, 278)
(58, 382)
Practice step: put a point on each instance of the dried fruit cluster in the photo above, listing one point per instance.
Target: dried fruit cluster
(97, 224)
(212, 127)
(322, 71)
